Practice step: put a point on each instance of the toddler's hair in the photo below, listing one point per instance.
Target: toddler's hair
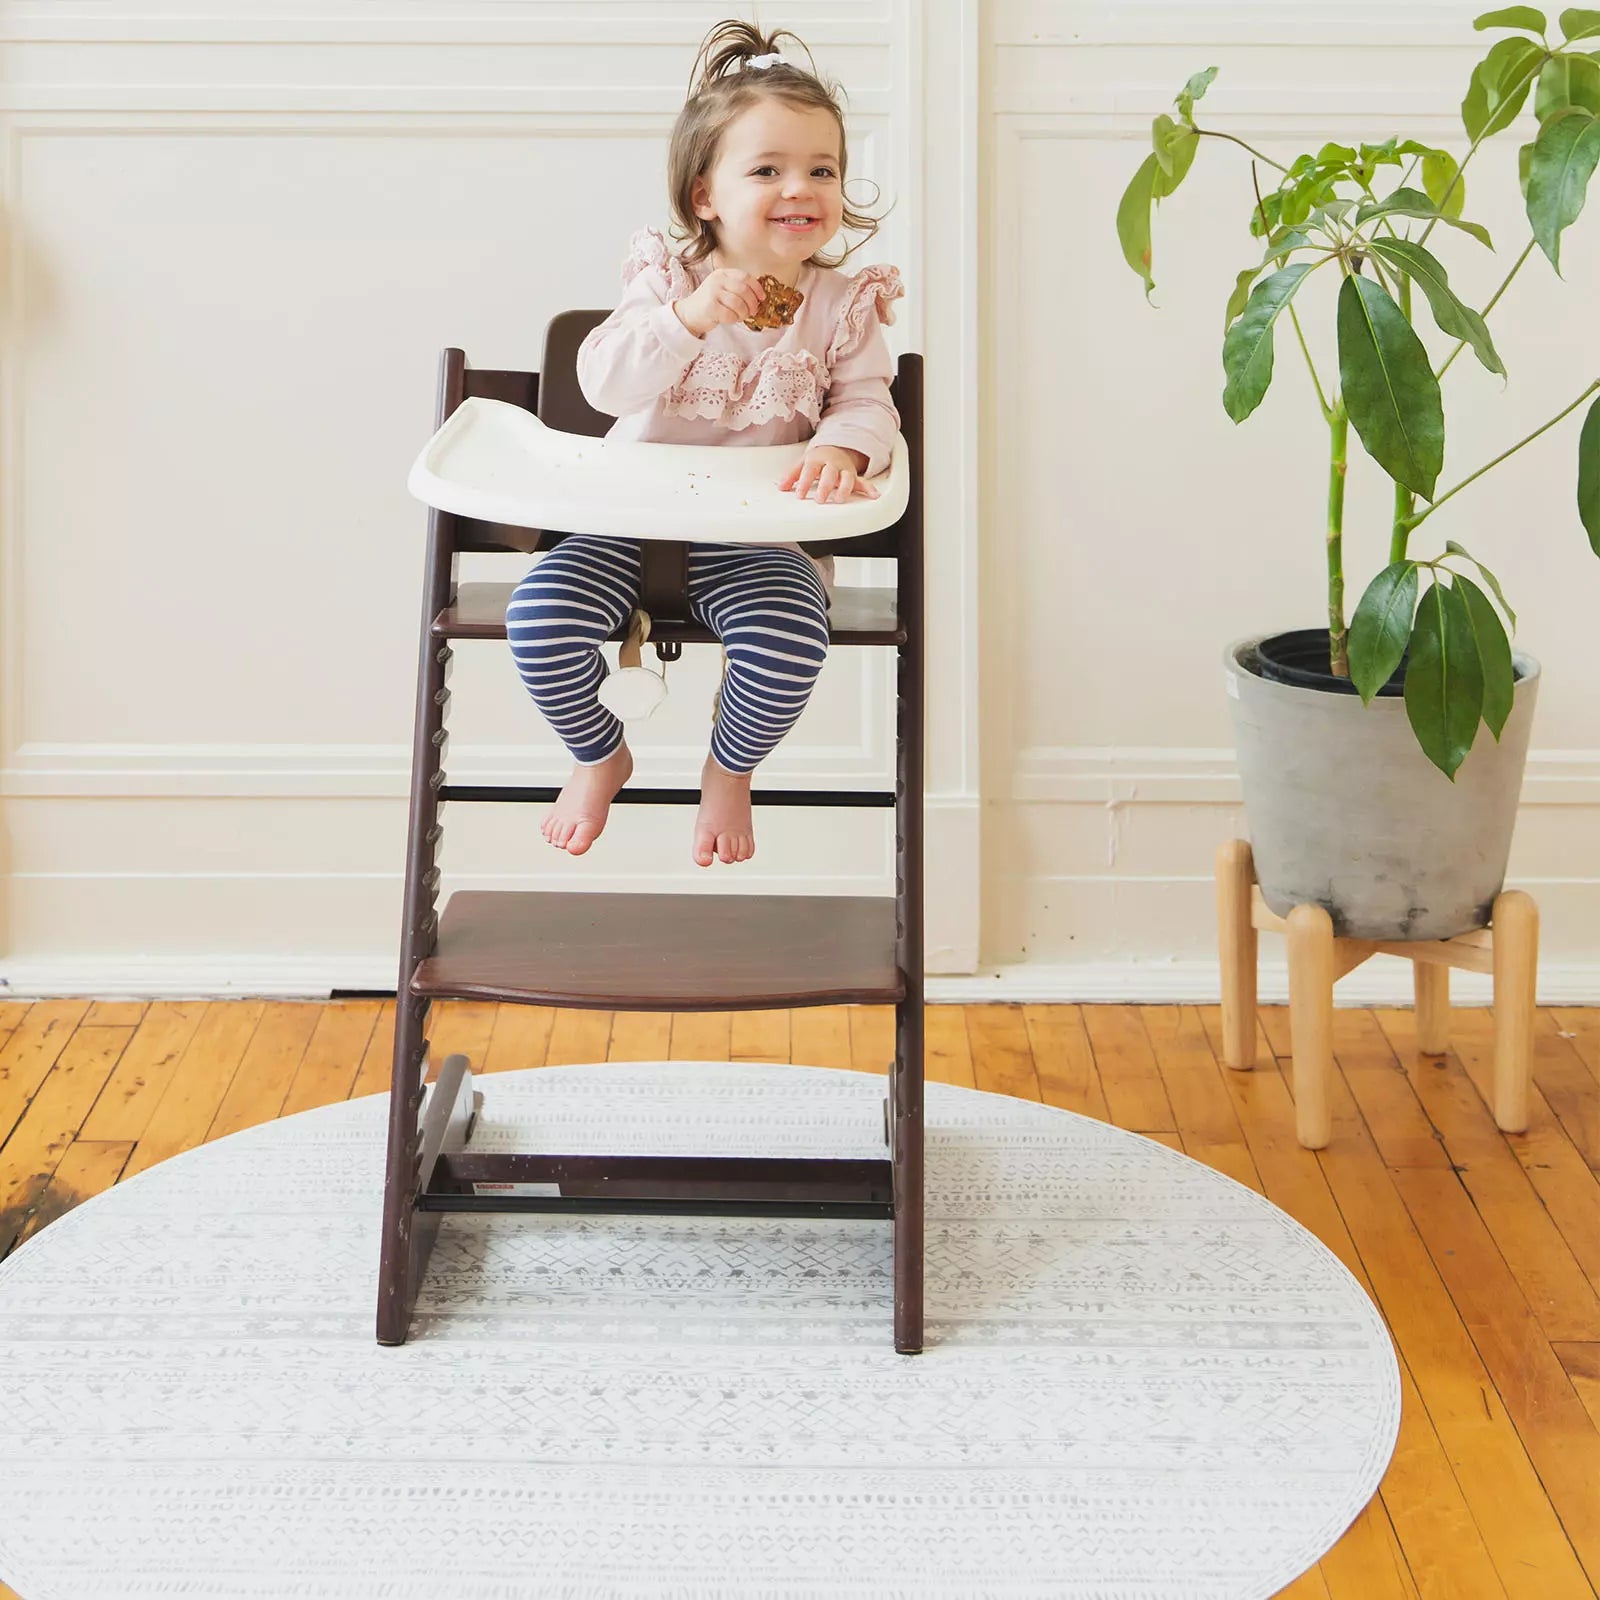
(721, 86)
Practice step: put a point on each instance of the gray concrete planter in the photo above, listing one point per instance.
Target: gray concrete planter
(1347, 813)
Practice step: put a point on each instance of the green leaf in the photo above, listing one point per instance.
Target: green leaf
(1444, 682)
(1499, 86)
(1161, 131)
(1247, 347)
(1414, 203)
(1563, 161)
(1283, 241)
(1271, 204)
(1175, 145)
(1331, 155)
(1240, 296)
(1512, 17)
(1488, 577)
(1181, 154)
(1442, 180)
(1494, 655)
(1589, 476)
(1524, 163)
(1389, 388)
(1381, 627)
(1193, 90)
(1133, 220)
(1458, 320)
(1568, 81)
(1577, 25)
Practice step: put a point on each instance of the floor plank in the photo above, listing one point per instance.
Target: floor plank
(640, 1036)
(578, 1036)
(1129, 1077)
(186, 1112)
(819, 1036)
(30, 1157)
(760, 1036)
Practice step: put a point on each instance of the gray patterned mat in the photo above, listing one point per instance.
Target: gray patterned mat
(1142, 1381)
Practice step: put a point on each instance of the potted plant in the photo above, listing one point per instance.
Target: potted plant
(1366, 786)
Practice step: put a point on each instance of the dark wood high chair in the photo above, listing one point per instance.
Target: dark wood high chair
(609, 952)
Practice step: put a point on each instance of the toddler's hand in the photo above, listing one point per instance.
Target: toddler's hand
(727, 295)
(835, 471)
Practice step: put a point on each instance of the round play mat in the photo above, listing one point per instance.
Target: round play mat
(1141, 1379)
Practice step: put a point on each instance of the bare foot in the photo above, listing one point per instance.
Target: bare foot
(723, 830)
(575, 820)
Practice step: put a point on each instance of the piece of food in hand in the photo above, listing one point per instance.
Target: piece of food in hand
(778, 305)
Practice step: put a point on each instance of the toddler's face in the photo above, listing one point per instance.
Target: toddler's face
(777, 163)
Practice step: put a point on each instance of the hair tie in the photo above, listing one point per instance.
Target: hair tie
(761, 63)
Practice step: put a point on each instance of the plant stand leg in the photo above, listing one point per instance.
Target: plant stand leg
(1431, 982)
(1310, 931)
(1515, 925)
(1237, 946)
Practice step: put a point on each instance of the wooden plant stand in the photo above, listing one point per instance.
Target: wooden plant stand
(1508, 949)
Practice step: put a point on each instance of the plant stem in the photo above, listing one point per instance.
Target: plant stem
(1404, 501)
(1338, 635)
(1383, 278)
(1422, 516)
(1211, 133)
(1404, 504)
(1490, 307)
(1327, 410)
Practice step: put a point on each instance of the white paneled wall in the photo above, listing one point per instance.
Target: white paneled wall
(238, 238)
(1130, 530)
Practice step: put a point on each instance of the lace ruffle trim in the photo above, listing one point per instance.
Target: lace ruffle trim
(777, 385)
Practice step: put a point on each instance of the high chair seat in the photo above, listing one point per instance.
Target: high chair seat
(499, 463)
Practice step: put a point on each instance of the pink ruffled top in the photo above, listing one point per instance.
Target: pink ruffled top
(824, 378)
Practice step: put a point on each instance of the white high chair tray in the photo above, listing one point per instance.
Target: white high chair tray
(499, 463)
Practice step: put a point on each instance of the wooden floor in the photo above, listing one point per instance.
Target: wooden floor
(1482, 1250)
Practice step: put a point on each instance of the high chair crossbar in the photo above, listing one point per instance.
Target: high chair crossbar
(648, 952)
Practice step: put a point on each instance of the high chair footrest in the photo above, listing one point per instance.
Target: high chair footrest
(742, 1184)
(664, 952)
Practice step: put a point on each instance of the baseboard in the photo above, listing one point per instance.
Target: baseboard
(1384, 980)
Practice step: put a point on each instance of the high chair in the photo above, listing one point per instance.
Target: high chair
(606, 951)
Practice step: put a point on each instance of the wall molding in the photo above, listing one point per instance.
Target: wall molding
(371, 771)
(1364, 25)
(529, 22)
(1132, 775)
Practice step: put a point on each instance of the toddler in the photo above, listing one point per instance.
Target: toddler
(756, 171)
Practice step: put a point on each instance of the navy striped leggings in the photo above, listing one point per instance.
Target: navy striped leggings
(767, 606)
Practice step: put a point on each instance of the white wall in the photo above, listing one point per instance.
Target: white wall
(1130, 530)
(237, 237)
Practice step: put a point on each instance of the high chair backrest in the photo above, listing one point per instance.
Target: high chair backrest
(553, 395)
